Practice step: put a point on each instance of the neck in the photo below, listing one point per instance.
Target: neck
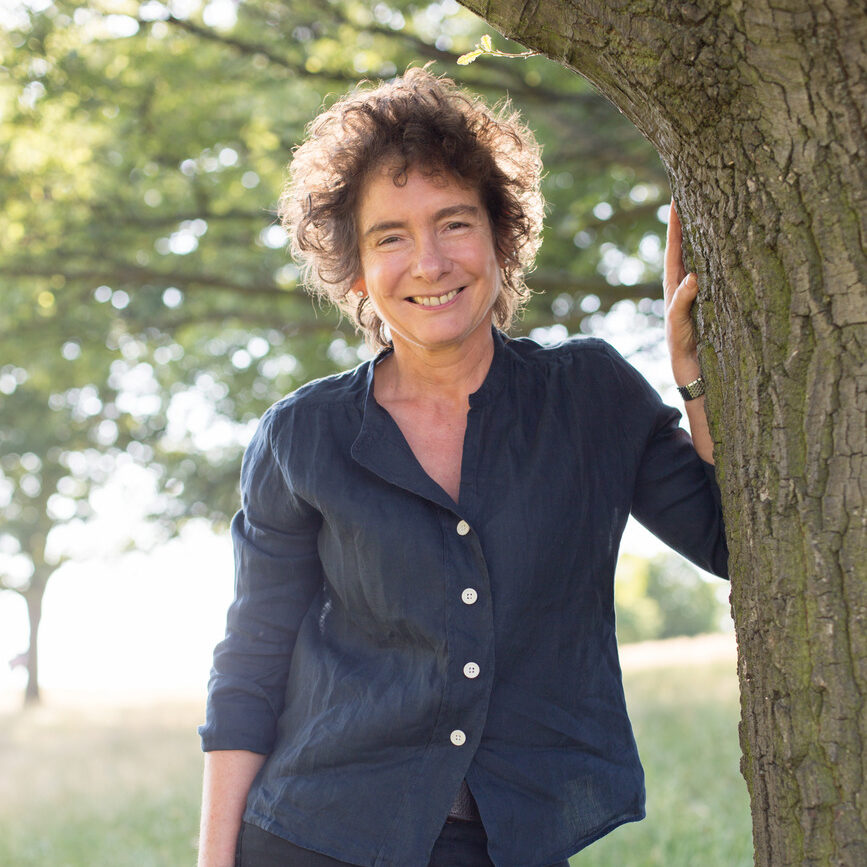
(449, 374)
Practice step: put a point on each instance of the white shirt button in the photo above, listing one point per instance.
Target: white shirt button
(463, 528)
(469, 596)
(471, 670)
(458, 738)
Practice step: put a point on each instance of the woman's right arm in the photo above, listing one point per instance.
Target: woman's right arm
(277, 574)
(228, 776)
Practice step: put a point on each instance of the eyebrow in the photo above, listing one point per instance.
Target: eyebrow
(441, 214)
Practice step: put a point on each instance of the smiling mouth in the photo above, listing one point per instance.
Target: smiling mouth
(435, 300)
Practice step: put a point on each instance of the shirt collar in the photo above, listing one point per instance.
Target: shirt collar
(497, 372)
(379, 440)
(490, 387)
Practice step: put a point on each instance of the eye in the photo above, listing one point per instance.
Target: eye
(457, 224)
(388, 239)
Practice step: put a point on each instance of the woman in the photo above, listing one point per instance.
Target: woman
(420, 664)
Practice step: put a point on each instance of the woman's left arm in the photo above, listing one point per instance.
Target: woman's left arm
(680, 290)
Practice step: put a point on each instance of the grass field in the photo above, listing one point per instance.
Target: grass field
(93, 783)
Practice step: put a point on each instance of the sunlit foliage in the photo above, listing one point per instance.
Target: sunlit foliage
(150, 312)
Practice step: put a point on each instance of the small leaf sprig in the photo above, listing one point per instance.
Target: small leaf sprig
(486, 46)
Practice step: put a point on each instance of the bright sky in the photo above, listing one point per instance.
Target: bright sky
(135, 622)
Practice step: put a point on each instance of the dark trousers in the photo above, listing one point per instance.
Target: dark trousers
(461, 844)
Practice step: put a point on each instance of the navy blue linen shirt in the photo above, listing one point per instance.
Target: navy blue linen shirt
(386, 643)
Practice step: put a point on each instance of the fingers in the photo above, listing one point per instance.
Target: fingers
(688, 289)
(678, 319)
(673, 219)
(679, 302)
(680, 290)
(673, 268)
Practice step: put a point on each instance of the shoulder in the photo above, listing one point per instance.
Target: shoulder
(586, 352)
(335, 394)
(305, 427)
(586, 366)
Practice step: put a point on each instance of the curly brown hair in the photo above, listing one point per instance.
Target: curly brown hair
(413, 121)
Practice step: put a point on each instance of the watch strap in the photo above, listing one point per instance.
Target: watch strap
(692, 390)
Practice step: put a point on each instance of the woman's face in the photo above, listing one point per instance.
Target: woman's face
(428, 261)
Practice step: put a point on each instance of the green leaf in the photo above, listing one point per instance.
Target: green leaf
(469, 57)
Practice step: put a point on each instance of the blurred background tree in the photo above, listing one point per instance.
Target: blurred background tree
(151, 312)
(665, 596)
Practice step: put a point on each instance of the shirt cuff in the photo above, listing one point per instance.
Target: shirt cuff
(238, 721)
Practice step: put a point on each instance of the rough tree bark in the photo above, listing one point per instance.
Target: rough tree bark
(759, 111)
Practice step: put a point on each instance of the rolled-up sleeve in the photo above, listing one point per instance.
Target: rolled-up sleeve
(277, 574)
(676, 497)
(675, 493)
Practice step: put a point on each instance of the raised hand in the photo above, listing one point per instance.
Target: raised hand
(679, 290)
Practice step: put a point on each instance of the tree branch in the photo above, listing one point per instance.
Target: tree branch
(127, 273)
(251, 48)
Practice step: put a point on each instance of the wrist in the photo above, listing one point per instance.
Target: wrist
(685, 370)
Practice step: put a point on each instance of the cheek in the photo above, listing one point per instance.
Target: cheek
(377, 276)
(383, 282)
(478, 257)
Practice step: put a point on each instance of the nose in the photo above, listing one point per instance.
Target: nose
(431, 261)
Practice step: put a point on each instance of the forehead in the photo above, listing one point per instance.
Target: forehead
(391, 186)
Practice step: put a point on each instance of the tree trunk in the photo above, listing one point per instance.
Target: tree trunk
(759, 112)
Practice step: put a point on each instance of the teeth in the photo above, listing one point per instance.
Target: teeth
(434, 300)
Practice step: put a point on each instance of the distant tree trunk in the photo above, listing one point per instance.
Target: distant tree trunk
(759, 112)
(33, 597)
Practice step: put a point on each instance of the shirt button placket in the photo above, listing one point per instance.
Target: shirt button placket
(469, 595)
(471, 669)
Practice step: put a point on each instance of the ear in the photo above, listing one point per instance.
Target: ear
(499, 255)
(359, 287)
